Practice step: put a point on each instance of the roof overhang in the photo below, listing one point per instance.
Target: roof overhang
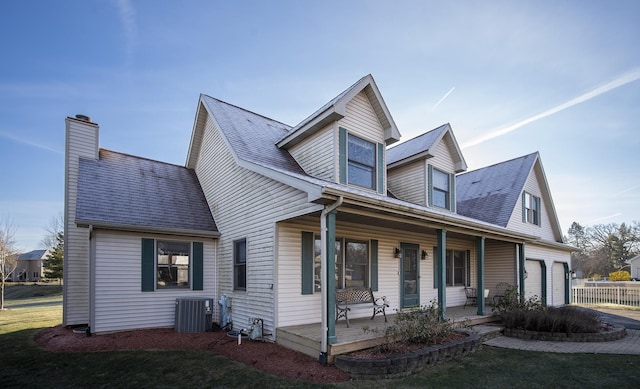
(450, 222)
(336, 110)
(148, 229)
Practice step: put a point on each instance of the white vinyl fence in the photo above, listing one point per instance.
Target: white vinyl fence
(620, 295)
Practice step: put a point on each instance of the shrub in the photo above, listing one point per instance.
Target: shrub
(532, 315)
(620, 275)
(511, 302)
(420, 326)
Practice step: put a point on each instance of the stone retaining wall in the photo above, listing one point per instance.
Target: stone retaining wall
(605, 336)
(409, 363)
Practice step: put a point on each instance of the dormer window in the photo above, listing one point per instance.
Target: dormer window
(441, 189)
(361, 162)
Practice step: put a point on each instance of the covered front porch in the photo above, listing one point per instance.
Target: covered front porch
(306, 338)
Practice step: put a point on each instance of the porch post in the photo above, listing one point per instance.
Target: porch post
(481, 302)
(331, 277)
(521, 262)
(442, 272)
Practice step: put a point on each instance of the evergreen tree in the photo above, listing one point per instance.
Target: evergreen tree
(53, 264)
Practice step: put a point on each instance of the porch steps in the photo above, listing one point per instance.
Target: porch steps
(487, 331)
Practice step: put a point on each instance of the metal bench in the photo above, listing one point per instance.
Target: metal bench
(501, 292)
(348, 297)
(472, 296)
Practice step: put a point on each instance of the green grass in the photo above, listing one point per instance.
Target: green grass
(24, 364)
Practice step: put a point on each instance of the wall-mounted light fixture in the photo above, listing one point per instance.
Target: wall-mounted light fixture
(424, 255)
(396, 252)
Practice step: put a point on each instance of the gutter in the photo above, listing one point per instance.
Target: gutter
(424, 216)
(148, 229)
(323, 271)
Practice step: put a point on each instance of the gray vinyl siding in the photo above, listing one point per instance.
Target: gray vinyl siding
(245, 204)
(545, 230)
(295, 308)
(442, 159)
(499, 264)
(317, 154)
(409, 182)
(81, 142)
(361, 120)
(119, 303)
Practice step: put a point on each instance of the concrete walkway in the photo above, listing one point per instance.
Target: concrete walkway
(629, 345)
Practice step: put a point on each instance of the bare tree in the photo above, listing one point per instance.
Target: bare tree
(8, 254)
(55, 227)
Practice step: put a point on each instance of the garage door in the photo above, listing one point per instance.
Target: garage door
(533, 283)
(558, 283)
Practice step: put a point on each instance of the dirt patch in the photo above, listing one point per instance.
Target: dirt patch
(264, 356)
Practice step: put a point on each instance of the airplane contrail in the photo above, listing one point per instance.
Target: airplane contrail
(442, 99)
(28, 142)
(624, 79)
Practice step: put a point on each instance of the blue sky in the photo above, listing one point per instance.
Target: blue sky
(512, 77)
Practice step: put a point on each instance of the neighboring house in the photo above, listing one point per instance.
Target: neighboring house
(260, 209)
(30, 266)
(634, 267)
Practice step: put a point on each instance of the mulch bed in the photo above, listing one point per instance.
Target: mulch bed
(264, 356)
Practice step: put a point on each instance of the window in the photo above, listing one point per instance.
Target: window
(352, 268)
(458, 268)
(240, 264)
(361, 162)
(531, 208)
(440, 189)
(173, 264)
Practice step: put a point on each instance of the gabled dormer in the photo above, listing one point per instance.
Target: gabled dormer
(513, 194)
(423, 170)
(345, 140)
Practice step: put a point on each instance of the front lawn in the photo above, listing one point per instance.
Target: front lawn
(24, 364)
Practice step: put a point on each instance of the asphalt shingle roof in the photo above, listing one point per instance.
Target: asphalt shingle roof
(490, 194)
(253, 137)
(35, 254)
(124, 190)
(414, 146)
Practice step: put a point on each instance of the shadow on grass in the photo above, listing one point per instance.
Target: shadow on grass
(24, 364)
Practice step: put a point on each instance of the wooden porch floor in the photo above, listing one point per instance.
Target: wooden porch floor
(307, 338)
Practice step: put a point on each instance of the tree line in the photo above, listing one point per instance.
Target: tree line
(604, 248)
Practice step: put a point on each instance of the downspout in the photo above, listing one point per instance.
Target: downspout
(92, 280)
(323, 275)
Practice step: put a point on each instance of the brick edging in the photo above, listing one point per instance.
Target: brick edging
(411, 362)
(606, 336)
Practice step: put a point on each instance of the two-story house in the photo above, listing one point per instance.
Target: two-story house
(276, 218)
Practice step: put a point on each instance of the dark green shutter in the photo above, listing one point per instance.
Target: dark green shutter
(148, 265)
(198, 263)
(468, 260)
(543, 283)
(307, 262)
(430, 184)
(539, 208)
(381, 166)
(452, 192)
(342, 155)
(524, 208)
(374, 265)
(435, 267)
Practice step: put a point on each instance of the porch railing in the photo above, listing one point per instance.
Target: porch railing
(618, 295)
